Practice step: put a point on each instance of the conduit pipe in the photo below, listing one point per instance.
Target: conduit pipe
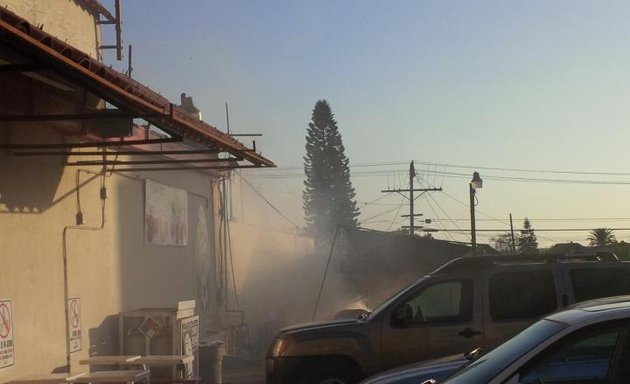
(79, 216)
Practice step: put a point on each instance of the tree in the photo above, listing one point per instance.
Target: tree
(329, 198)
(527, 242)
(621, 249)
(601, 237)
(503, 242)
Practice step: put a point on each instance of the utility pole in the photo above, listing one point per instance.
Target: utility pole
(512, 234)
(411, 198)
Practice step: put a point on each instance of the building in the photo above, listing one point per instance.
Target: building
(98, 214)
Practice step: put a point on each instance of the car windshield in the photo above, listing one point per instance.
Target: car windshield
(379, 308)
(489, 365)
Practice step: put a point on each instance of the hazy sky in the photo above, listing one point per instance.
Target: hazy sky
(466, 85)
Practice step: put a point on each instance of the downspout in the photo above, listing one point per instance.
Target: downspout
(78, 226)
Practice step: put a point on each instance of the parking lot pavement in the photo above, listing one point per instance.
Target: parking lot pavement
(244, 377)
(236, 371)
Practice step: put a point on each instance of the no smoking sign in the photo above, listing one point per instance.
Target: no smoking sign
(7, 354)
(74, 324)
(5, 320)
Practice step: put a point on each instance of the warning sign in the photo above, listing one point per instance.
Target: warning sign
(7, 353)
(74, 323)
(190, 343)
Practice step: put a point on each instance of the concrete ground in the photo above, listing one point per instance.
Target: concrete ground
(247, 377)
(250, 372)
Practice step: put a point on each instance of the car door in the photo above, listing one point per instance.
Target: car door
(516, 296)
(595, 354)
(440, 318)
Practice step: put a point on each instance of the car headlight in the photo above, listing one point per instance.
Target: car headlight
(279, 346)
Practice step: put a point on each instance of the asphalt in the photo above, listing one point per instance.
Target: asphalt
(244, 377)
(249, 372)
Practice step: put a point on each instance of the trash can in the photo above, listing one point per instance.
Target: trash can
(211, 362)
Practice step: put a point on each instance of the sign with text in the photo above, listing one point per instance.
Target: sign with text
(7, 352)
(165, 215)
(190, 342)
(74, 323)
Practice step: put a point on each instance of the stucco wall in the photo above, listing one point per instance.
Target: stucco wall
(109, 269)
(63, 19)
(105, 262)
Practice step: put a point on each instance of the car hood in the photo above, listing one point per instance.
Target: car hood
(417, 373)
(316, 325)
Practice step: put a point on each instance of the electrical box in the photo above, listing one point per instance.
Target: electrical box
(161, 331)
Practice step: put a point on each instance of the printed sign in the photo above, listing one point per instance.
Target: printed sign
(165, 215)
(7, 352)
(190, 341)
(150, 327)
(74, 323)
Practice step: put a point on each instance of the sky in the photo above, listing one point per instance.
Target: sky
(533, 95)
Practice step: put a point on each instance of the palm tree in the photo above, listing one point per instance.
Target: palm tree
(601, 237)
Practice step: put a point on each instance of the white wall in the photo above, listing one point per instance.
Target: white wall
(109, 269)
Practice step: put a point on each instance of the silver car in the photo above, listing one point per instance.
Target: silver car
(435, 369)
(587, 343)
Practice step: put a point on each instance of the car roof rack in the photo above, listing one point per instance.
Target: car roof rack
(476, 263)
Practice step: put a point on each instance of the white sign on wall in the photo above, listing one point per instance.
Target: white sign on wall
(190, 341)
(7, 352)
(165, 215)
(74, 323)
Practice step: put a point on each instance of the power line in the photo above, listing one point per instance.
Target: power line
(532, 219)
(526, 170)
(487, 215)
(374, 201)
(391, 224)
(268, 202)
(445, 174)
(461, 166)
(534, 230)
(435, 213)
(383, 213)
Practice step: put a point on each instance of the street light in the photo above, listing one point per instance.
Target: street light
(475, 183)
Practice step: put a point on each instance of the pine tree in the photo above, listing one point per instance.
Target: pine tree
(329, 198)
(527, 242)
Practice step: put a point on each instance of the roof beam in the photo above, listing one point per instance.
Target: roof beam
(193, 168)
(149, 162)
(125, 153)
(27, 67)
(92, 144)
(71, 116)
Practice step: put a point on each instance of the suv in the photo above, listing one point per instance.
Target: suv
(467, 303)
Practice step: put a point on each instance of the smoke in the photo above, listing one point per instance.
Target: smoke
(277, 271)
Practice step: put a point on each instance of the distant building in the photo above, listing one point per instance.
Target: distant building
(188, 106)
(570, 247)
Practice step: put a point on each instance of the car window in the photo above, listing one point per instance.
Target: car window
(587, 359)
(387, 302)
(592, 283)
(521, 294)
(489, 365)
(441, 302)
